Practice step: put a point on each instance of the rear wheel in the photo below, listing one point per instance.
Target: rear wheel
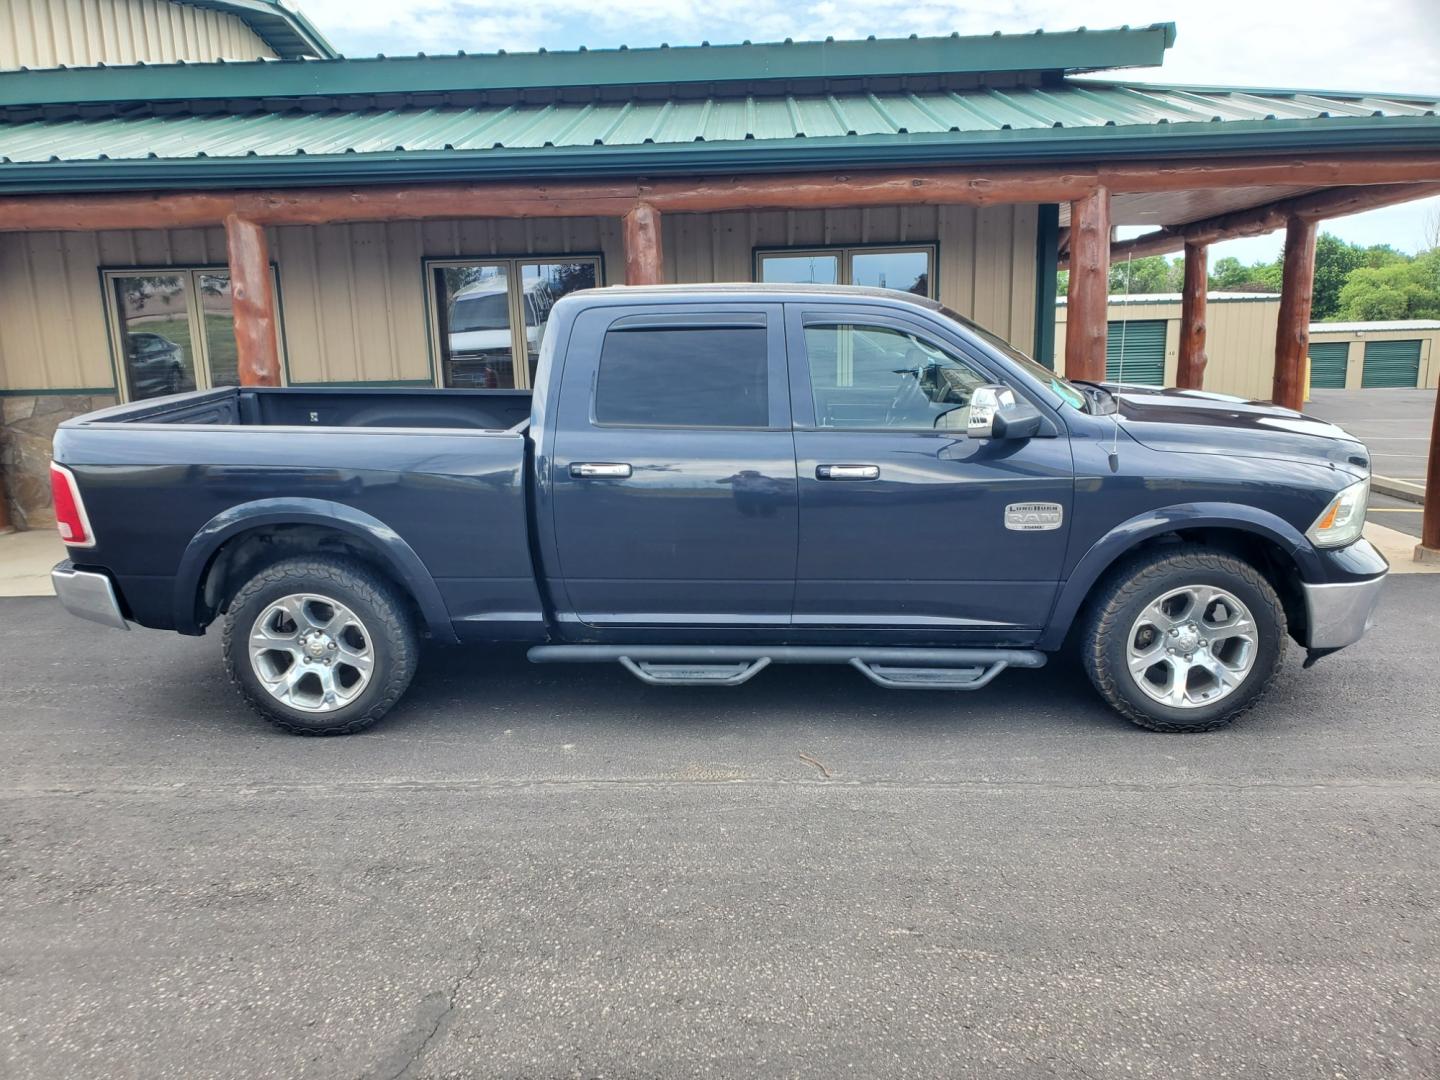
(1184, 639)
(319, 645)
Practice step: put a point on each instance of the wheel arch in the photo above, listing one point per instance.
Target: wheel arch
(244, 538)
(1269, 543)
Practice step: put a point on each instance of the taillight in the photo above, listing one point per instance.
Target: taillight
(70, 516)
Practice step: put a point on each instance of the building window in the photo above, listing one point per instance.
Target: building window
(173, 329)
(908, 269)
(488, 312)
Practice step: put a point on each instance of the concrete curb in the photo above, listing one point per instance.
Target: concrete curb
(1398, 489)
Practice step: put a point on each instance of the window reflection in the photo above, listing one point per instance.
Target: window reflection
(475, 326)
(156, 347)
(545, 283)
(808, 269)
(908, 271)
(219, 322)
(477, 306)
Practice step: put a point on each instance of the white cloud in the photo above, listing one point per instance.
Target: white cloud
(1378, 45)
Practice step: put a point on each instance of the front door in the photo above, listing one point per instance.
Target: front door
(673, 471)
(905, 521)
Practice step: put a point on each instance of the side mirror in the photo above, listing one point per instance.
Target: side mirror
(997, 412)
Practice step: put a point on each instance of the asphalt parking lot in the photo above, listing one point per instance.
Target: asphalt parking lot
(548, 872)
(1394, 423)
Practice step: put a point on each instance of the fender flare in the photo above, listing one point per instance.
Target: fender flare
(397, 556)
(1115, 544)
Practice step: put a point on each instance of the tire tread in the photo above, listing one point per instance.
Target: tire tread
(302, 573)
(1147, 573)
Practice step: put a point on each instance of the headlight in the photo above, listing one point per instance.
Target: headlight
(1343, 519)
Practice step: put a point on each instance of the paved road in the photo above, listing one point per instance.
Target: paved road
(539, 872)
(1400, 514)
(1393, 423)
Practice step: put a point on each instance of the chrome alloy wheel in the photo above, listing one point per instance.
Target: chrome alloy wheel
(1192, 647)
(311, 652)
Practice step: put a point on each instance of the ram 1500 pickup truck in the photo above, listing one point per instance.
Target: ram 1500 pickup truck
(709, 479)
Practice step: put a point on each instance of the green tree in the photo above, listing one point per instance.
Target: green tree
(1395, 290)
(1151, 274)
(1335, 261)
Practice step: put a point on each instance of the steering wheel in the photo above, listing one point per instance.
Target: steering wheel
(909, 401)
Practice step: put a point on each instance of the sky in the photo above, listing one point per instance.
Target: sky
(1373, 45)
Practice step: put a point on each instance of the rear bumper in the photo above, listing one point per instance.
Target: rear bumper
(1337, 615)
(88, 595)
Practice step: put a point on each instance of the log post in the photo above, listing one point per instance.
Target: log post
(252, 298)
(644, 255)
(1292, 336)
(1191, 372)
(1428, 550)
(1089, 294)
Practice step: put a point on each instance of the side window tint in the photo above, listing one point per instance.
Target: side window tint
(712, 376)
(880, 377)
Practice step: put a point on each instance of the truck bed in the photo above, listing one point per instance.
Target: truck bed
(439, 472)
(330, 407)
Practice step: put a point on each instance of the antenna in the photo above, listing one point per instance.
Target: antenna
(1114, 456)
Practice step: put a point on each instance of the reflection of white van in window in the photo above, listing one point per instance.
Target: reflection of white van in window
(479, 318)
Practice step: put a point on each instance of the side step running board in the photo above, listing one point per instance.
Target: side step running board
(928, 678)
(693, 674)
(731, 665)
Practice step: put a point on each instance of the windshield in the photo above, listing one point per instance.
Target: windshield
(488, 311)
(1064, 391)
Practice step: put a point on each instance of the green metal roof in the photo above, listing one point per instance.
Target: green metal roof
(288, 32)
(1088, 120)
(664, 67)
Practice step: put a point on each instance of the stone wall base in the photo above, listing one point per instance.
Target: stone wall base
(27, 426)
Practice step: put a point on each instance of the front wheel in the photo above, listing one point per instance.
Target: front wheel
(1184, 639)
(320, 645)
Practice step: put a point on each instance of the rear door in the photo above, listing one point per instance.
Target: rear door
(673, 473)
(906, 522)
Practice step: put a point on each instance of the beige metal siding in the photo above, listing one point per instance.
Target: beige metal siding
(353, 297)
(48, 33)
(986, 256)
(1240, 341)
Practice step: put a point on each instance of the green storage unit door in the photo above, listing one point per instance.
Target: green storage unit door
(1391, 363)
(1327, 364)
(1144, 352)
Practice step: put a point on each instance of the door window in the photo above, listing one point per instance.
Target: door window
(692, 376)
(873, 376)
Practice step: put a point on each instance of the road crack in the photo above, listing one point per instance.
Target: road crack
(434, 1018)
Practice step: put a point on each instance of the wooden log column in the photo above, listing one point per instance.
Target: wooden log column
(1191, 372)
(252, 298)
(1089, 292)
(1292, 336)
(644, 256)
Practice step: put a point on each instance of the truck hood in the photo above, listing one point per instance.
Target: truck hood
(1198, 422)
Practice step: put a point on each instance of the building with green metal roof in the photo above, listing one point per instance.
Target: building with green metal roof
(401, 198)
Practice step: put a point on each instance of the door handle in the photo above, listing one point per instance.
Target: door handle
(584, 470)
(847, 472)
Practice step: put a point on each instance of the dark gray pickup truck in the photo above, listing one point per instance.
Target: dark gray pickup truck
(707, 480)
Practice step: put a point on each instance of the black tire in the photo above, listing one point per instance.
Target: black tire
(386, 620)
(1145, 579)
